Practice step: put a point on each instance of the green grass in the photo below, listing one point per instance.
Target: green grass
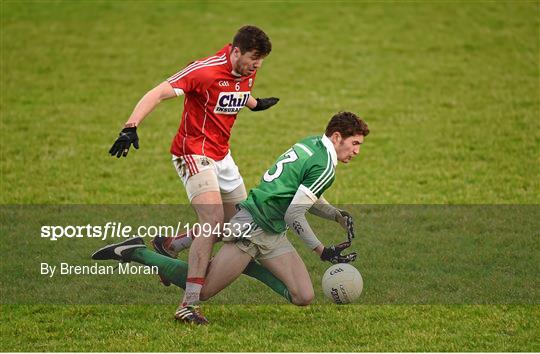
(273, 328)
(451, 92)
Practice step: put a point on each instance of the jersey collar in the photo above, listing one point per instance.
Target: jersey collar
(330, 147)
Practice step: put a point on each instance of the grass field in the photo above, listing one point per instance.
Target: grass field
(273, 328)
(451, 92)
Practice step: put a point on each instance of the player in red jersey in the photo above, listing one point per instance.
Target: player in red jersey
(215, 89)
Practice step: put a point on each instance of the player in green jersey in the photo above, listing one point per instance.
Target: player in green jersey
(291, 187)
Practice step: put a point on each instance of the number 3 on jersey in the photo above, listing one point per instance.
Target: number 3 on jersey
(290, 156)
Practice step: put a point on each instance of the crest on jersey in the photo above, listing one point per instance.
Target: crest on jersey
(250, 82)
(231, 102)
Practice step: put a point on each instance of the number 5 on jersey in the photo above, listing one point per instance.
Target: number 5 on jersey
(290, 156)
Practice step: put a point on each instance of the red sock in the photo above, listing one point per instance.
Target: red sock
(195, 280)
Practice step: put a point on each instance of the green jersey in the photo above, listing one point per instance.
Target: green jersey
(309, 166)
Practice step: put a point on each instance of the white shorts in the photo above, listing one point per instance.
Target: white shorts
(222, 176)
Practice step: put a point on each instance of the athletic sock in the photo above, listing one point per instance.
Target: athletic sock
(193, 291)
(257, 271)
(173, 270)
(180, 242)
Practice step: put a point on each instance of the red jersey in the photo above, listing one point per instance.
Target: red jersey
(213, 98)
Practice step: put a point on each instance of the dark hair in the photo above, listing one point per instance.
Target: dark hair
(347, 124)
(252, 38)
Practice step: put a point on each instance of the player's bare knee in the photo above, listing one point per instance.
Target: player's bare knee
(301, 301)
(302, 298)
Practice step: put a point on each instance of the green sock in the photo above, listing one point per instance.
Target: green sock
(173, 270)
(257, 271)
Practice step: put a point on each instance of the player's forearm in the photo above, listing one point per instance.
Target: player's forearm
(323, 209)
(295, 217)
(148, 102)
(251, 102)
(142, 109)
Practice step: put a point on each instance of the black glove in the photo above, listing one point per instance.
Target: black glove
(346, 221)
(333, 254)
(265, 103)
(126, 137)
